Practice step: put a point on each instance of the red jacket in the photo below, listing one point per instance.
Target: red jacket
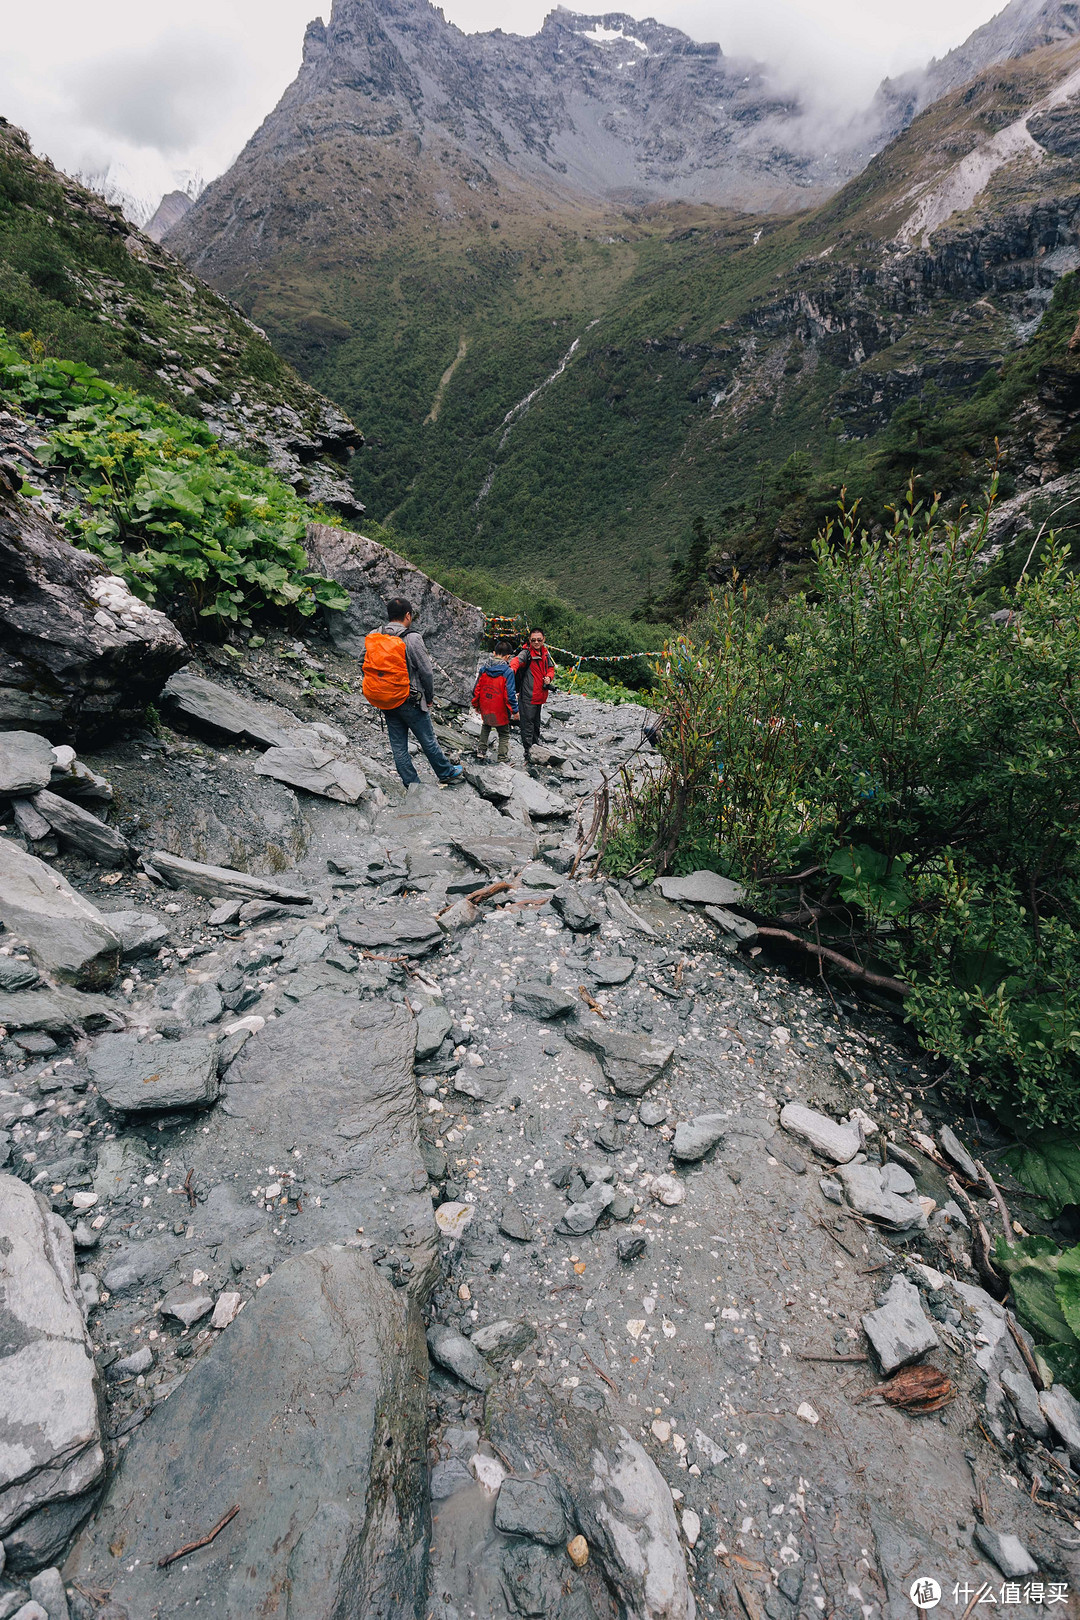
(544, 668)
(494, 696)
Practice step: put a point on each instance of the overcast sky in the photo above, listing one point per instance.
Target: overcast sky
(158, 91)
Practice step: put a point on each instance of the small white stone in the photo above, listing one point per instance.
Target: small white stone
(691, 1527)
(83, 1200)
(488, 1471)
(662, 1430)
(226, 1310)
(807, 1413)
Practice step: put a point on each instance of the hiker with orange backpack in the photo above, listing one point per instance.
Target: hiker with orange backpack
(399, 680)
(495, 700)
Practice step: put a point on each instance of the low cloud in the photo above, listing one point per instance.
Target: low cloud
(164, 95)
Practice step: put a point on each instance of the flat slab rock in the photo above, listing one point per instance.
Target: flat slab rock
(83, 830)
(58, 1011)
(50, 1441)
(496, 856)
(899, 1330)
(543, 1000)
(68, 937)
(26, 763)
(392, 928)
(141, 1077)
(826, 1136)
(632, 1063)
(216, 706)
(315, 770)
(700, 888)
(222, 882)
(695, 1137)
(332, 1497)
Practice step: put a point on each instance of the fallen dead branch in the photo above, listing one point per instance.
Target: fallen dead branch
(204, 1541)
(879, 981)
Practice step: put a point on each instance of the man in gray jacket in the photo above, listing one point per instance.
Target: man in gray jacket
(412, 715)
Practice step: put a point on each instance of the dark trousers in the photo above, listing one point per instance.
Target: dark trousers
(411, 717)
(529, 715)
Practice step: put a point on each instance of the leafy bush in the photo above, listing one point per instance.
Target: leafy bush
(917, 764)
(163, 503)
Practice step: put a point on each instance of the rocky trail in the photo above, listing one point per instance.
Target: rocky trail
(374, 1250)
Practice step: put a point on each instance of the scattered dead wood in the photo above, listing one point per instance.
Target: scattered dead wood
(591, 1002)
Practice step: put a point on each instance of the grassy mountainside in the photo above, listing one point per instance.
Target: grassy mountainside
(711, 349)
(79, 283)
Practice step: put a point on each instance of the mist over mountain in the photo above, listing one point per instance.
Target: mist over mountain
(590, 286)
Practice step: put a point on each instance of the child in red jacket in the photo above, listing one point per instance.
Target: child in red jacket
(495, 698)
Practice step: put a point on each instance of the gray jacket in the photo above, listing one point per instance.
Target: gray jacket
(421, 673)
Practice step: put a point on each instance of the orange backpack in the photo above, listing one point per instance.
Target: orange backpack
(386, 671)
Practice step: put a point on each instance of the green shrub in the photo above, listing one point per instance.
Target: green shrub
(918, 766)
(185, 520)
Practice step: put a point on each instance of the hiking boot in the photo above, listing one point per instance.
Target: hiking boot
(456, 775)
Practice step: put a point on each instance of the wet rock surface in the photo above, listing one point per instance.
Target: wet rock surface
(317, 1387)
(607, 1219)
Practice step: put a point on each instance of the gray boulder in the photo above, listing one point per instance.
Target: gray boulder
(575, 911)
(1007, 1552)
(534, 797)
(958, 1153)
(583, 1215)
(222, 882)
(453, 630)
(868, 1195)
(15, 974)
(532, 1507)
(899, 1330)
(543, 1001)
(622, 1502)
(79, 654)
(496, 856)
(315, 770)
(309, 1415)
(695, 1137)
(458, 1355)
(140, 933)
(701, 888)
(499, 1341)
(729, 922)
(632, 1063)
(50, 1440)
(1061, 1410)
(611, 969)
(142, 1077)
(67, 936)
(81, 830)
(433, 1025)
(26, 763)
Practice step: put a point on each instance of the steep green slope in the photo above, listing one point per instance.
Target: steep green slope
(79, 283)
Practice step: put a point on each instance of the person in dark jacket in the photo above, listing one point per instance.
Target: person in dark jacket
(534, 673)
(495, 700)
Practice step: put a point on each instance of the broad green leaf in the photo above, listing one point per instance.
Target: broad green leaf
(1037, 1303)
(869, 881)
(1064, 1362)
(1047, 1163)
